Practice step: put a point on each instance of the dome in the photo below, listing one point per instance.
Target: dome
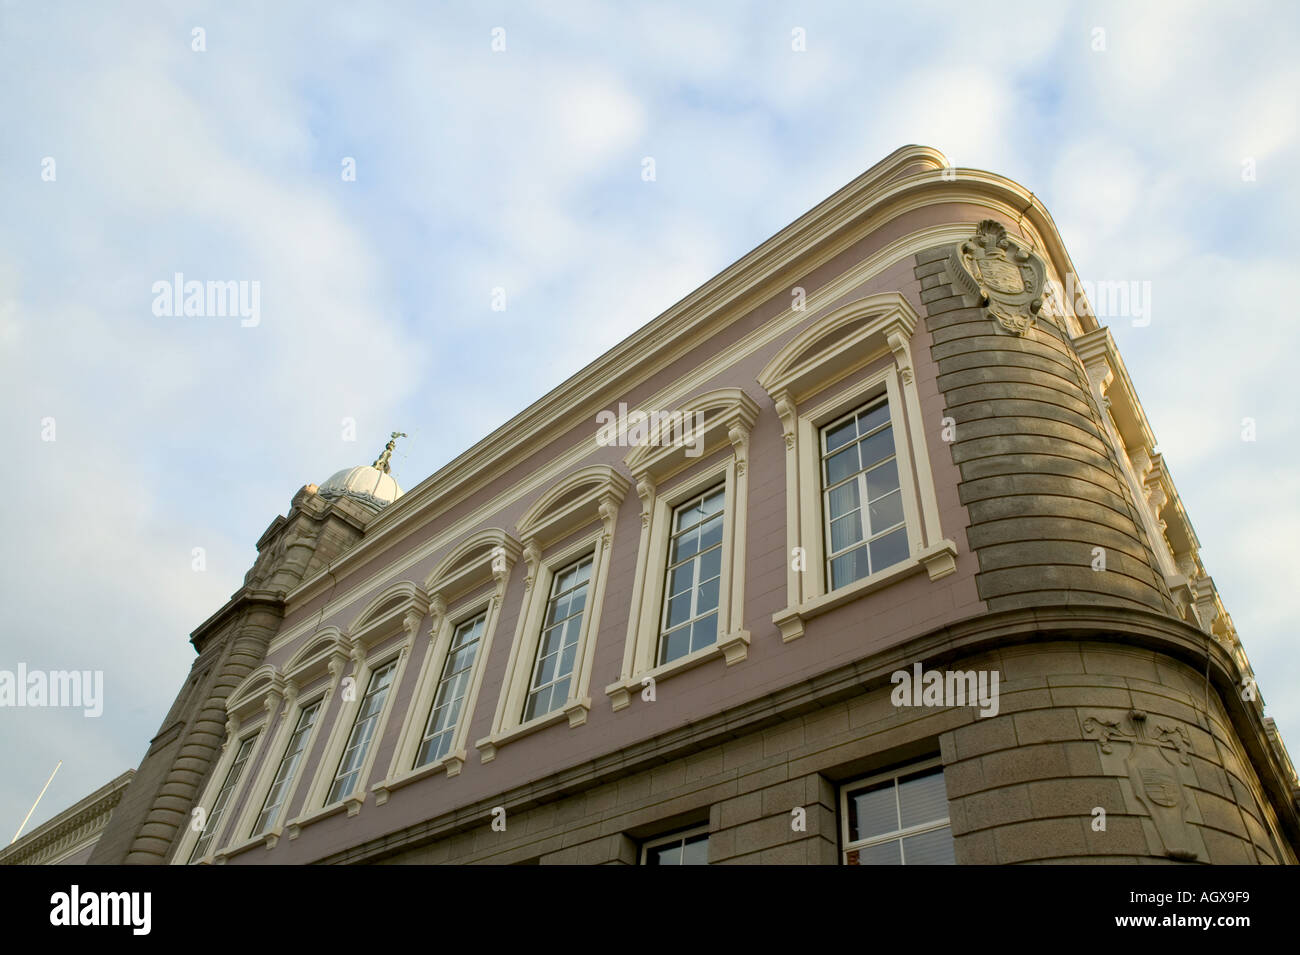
(363, 483)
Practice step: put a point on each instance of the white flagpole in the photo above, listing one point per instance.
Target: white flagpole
(34, 805)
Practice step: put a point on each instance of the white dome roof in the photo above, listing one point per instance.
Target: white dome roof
(364, 483)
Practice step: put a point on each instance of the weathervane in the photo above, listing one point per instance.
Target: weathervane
(381, 462)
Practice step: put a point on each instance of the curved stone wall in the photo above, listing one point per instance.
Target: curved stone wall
(1038, 476)
(201, 743)
(1108, 751)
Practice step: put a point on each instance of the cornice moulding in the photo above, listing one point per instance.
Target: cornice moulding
(1097, 351)
(1099, 347)
(242, 599)
(94, 808)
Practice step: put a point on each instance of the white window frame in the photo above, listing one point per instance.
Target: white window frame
(846, 846)
(508, 722)
(317, 704)
(671, 534)
(402, 769)
(907, 489)
(383, 633)
(574, 518)
(313, 673)
(801, 379)
(470, 580)
(393, 664)
(532, 687)
(665, 479)
(680, 835)
(462, 621)
(227, 776)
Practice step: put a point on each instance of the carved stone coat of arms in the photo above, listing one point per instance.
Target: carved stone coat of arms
(1007, 279)
(1151, 764)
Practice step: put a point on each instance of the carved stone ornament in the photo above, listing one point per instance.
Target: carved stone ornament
(1152, 766)
(1007, 280)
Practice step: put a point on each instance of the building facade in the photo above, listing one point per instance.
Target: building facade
(861, 553)
(69, 838)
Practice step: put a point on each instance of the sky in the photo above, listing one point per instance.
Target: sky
(1161, 137)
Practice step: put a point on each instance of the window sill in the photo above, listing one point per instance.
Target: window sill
(351, 803)
(575, 711)
(451, 764)
(268, 839)
(734, 647)
(938, 561)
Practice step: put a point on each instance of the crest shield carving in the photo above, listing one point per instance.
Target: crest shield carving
(1007, 279)
(1151, 764)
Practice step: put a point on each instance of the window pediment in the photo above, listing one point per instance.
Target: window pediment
(252, 694)
(382, 611)
(704, 424)
(833, 347)
(592, 494)
(809, 381)
(484, 558)
(324, 654)
(400, 607)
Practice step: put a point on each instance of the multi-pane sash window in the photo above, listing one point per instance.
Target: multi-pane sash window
(288, 767)
(862, 502)
(683, 848)
(558, 645)
(902, 820)
(363, 732)
(223, 797)
(690, 614)
(440, 730)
